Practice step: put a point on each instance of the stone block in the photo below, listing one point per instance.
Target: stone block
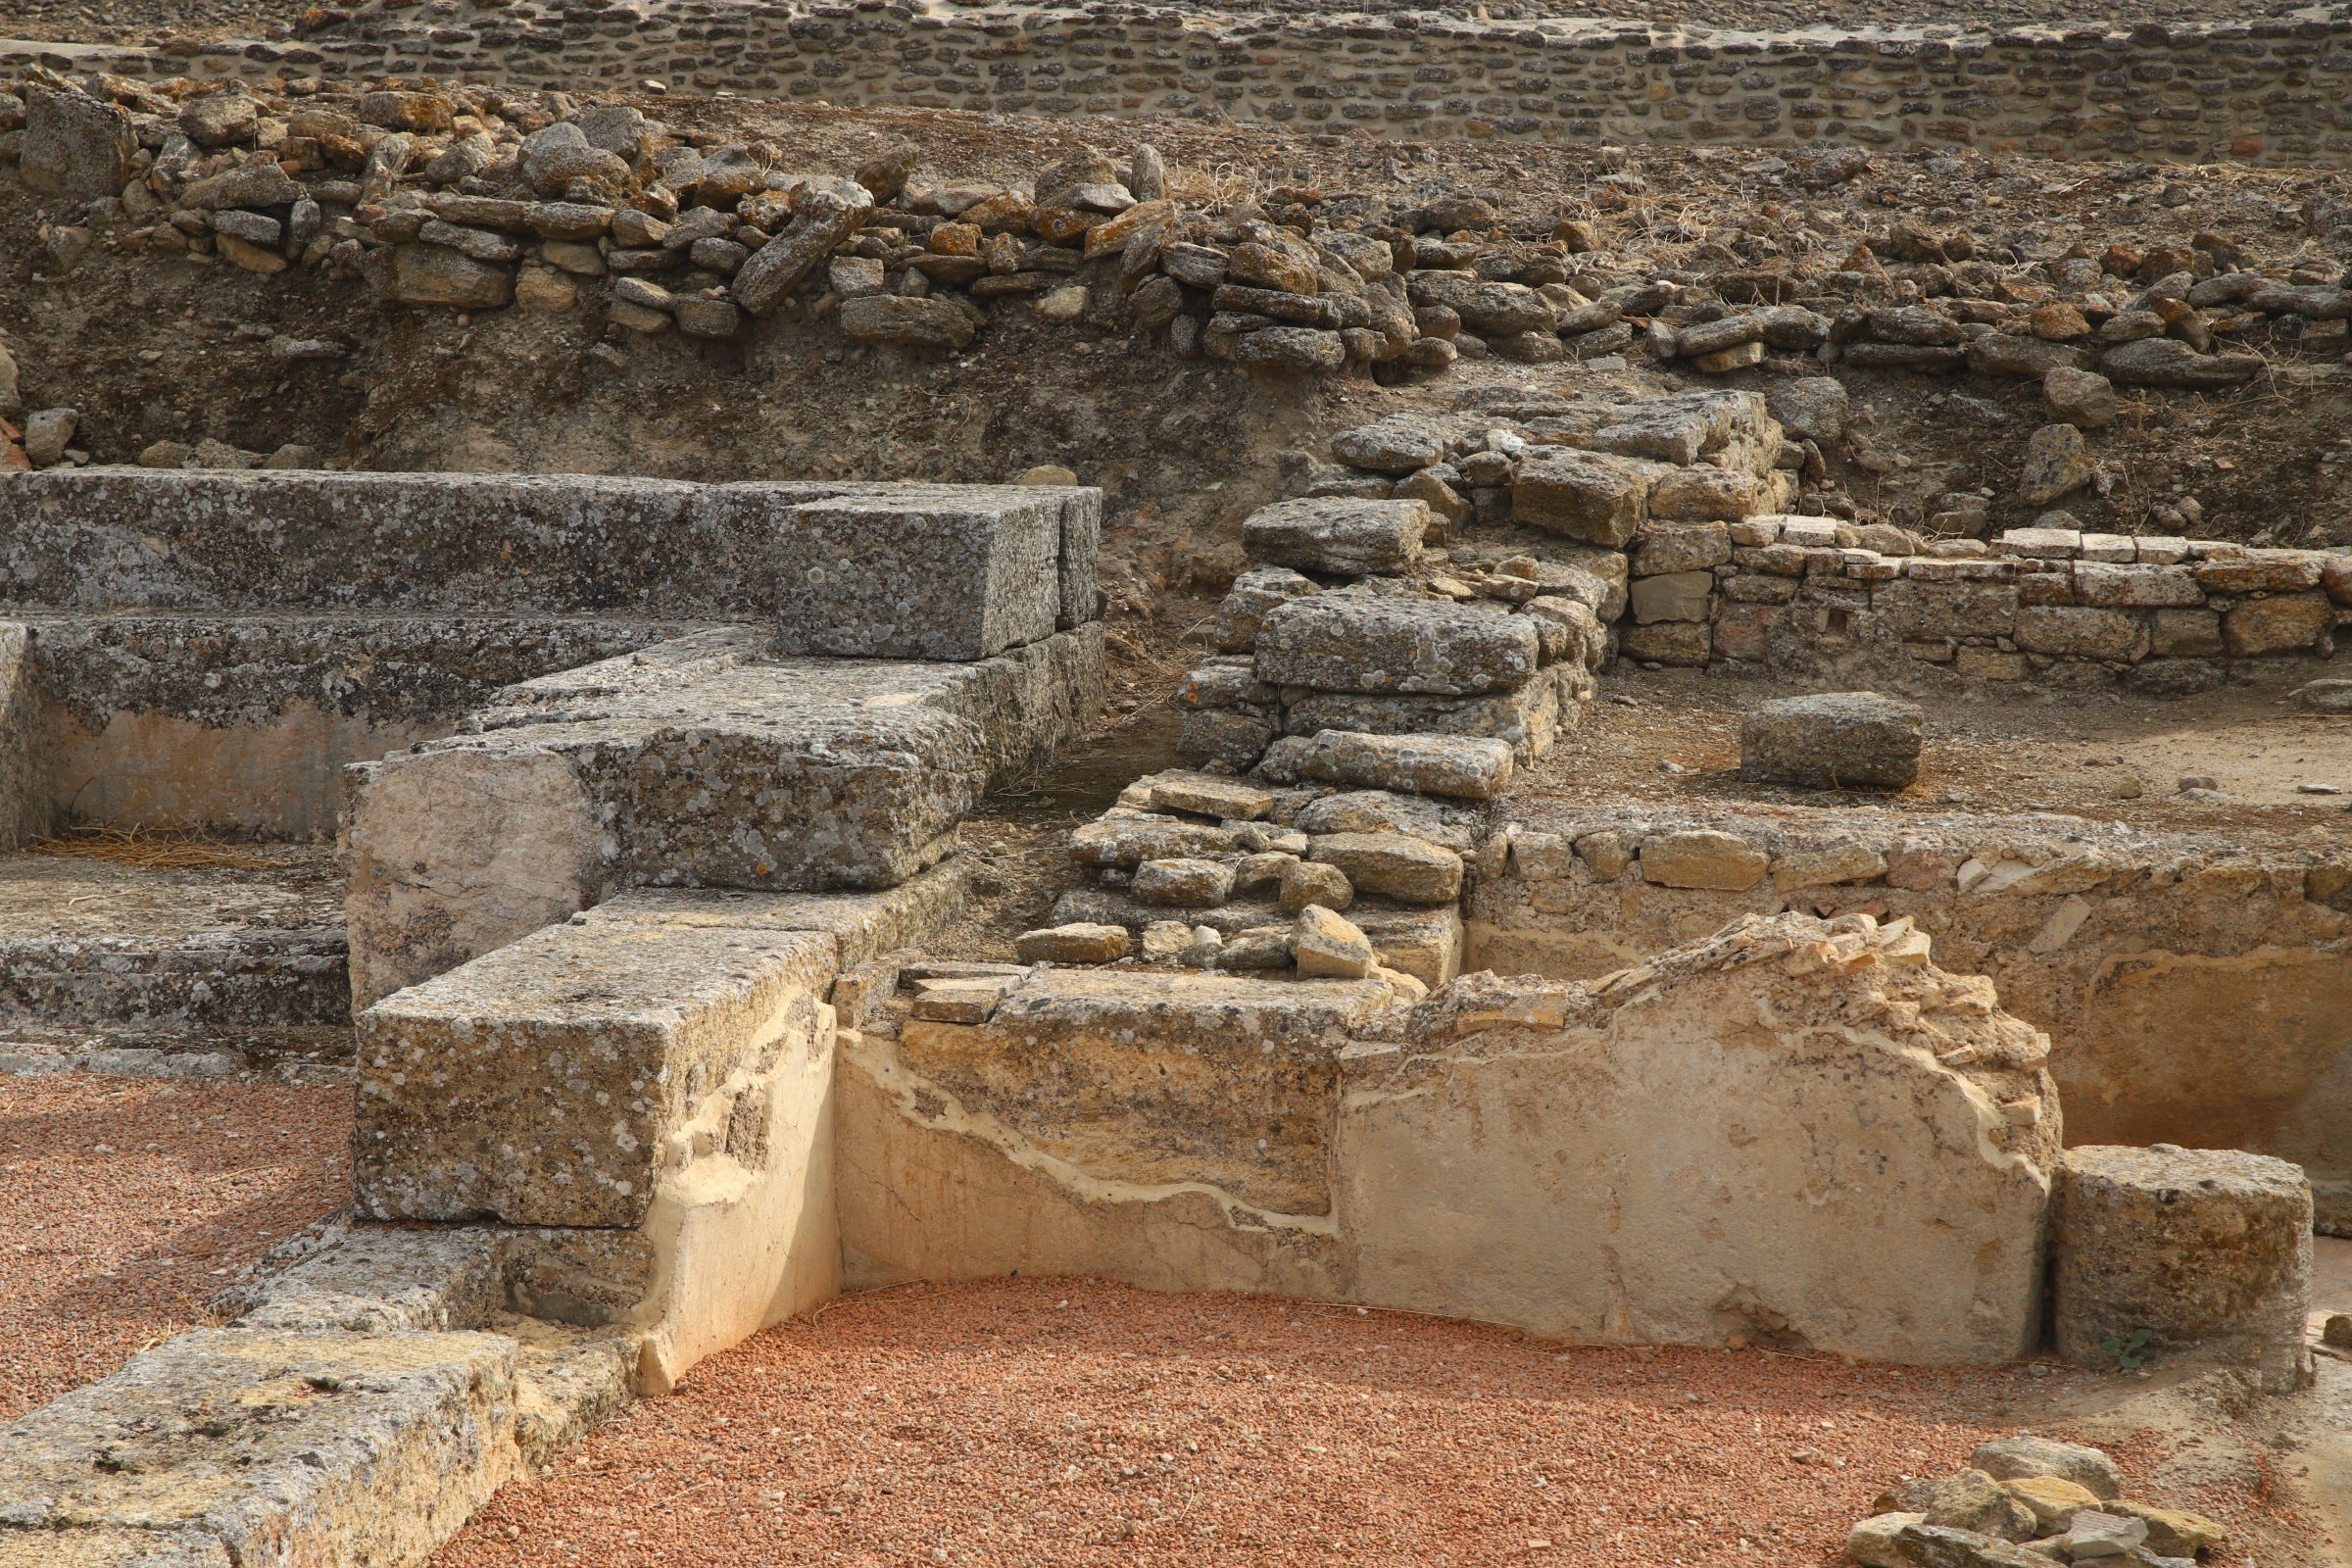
(952, 575)
(1398, 444)
(2206, 1250)
(2135, 587)
(1254, 594)
(1674, 596)
(1462, 766)
(1229, 800)
(1703, 494)
(1184, 883)
(1362, 643)
(1325, 945)
(1338, 536)
(74, 145)
(865, 926)
(895, 318)
(1703, 858)
(1591, 496)
(2186, 634)
(791, 776)
(2069, 631)
(2262, 572)
(1530, 718)
(1681, 643)
(1223, 735)
(1393, 865)
(1123, 838)
(566, 1078)
(2019, 1458)
(1076, 943)
(2283, 624)
(1696, 547)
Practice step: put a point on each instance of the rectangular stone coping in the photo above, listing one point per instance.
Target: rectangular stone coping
(864, 925)
(228, 540)
(542, 1083)
(1239, 1012)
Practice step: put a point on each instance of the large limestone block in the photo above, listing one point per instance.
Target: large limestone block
(697, 764)
(1155, 1078)
(951, 574)
(985, 567)
(1833, 740)
(270, 1446)
(1794, 1133)
(1362, 643)
(935, 1189)
(571, 1076)
(2208, 1251)
(865, 925)
(74, 144)
(1461, 766)
(1530, 718)
(1591, 496)
(1333, 534)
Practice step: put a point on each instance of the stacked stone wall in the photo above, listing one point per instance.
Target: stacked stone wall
(2269, 91)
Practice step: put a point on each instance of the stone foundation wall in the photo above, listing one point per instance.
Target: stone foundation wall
(2268, 92)
(2195, 991)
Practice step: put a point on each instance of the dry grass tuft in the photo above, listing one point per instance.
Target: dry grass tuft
(147, 849)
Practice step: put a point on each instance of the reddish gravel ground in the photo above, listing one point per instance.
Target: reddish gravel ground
(1072, 1422)
(125, 1203)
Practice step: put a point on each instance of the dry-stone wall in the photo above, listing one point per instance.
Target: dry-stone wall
(2269, 91)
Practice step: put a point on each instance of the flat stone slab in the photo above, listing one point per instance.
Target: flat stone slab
(699, 764)
(865, 925)
(265, 1447)
(1338, 536)
(895, 571)
(1836, 740)
(549, 1082)
(1354, 642)
(1460, 766)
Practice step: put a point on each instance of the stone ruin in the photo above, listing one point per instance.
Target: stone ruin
(651, 815)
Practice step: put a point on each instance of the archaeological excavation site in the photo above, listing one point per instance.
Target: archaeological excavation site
(1044, 783)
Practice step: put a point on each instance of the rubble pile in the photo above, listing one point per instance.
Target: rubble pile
(2025, 1500)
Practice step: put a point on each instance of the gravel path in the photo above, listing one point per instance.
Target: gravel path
(1070, 1422)
(124, 1203)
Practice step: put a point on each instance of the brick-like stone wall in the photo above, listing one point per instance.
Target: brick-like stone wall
(2270, 91)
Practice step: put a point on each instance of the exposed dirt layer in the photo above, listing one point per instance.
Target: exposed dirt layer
(126, 1203)
(1674, 735)
(1072, 1422)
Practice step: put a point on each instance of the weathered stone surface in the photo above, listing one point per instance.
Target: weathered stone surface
(1254, 594)
(2054, 1503)
(1398, 444)
(932, 324)
(1969, 1500)
(1339, 536)
(2209, 1251)
(1151, 1078)
(820, 221)
(24, 807)
(1185, 883)
(1837, 740)
(261, 1445)
(1926, 1545)
(1460, 766)
(2016, 1459)
(1229, 800)
(1120, 838)
(2079, 397)
(561, 1080)
(1424, 942)
(1393, 865)
(435, 275)
(1672, 596)
(1591, 496)
(1812, 408)
(2172, 1533)
(1307, 882)
(1077, 943)
(1325, 946)
(2169, 361)
(1695, 547)
(1530, 717)
(723, 771)
(952, 573)
(1712, 1119)
(1702, 857)
(74, 144)
(863, 926)
(2072, 632)
(2055, 464)
(2283, 624)
(1361, 643)
(1303, 349)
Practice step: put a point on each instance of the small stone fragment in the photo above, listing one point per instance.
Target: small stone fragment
(1187, 883)
(1306, 882)
(1323, 942)
(1080, 943)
